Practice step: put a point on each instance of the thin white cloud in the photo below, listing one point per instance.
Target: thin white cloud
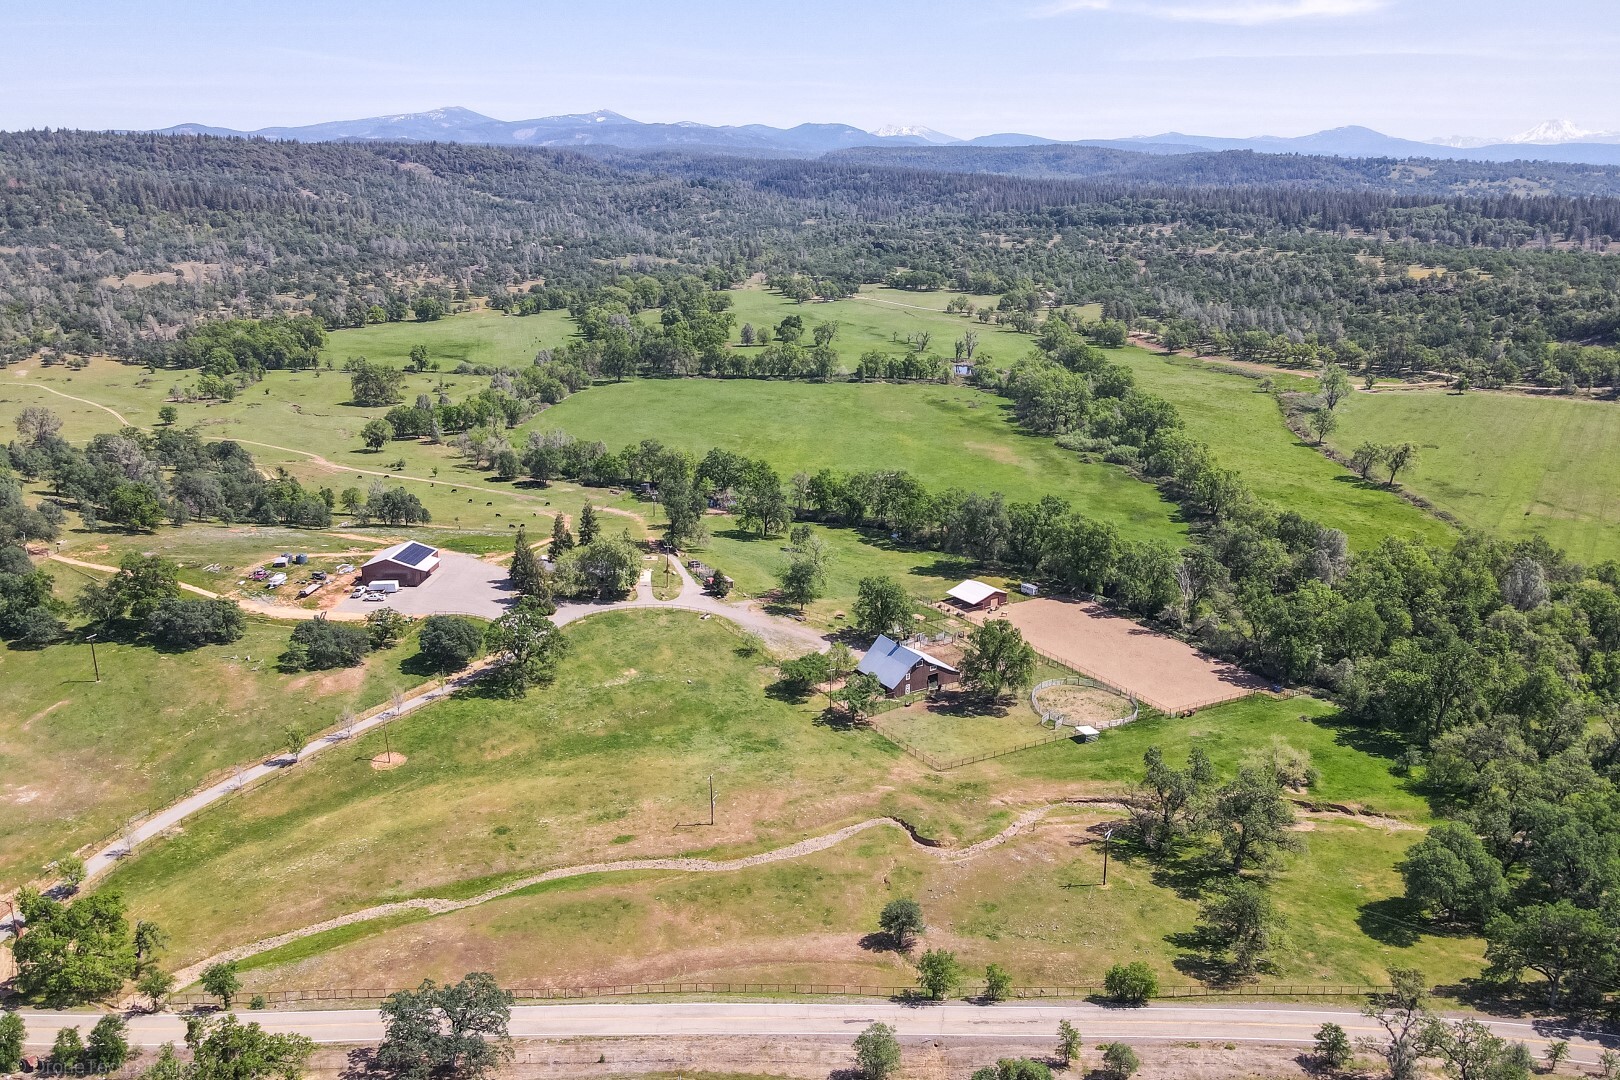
(1235, 12)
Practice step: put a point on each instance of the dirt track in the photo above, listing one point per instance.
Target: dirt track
(1160, 671)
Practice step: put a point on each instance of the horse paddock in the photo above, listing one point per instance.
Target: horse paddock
(1156, 669)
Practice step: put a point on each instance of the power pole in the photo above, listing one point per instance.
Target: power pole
(92, 640)
(711, 798)
(1108, 838)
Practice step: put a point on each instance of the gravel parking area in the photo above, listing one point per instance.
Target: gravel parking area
(462, 585)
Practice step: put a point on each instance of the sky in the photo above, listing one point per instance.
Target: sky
(1059, 68)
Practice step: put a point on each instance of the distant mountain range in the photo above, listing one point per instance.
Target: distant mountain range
(1555, 140)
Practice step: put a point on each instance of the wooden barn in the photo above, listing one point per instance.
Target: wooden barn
(408, 563)
(903, 670)
(974, 595)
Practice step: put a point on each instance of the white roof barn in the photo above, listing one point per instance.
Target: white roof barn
(974, 594)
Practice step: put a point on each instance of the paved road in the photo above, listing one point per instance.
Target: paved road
(1259, 1023)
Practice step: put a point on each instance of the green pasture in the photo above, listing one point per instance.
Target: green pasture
(946, 436)
(1244, 427)
(482, 336)
(1513, 465)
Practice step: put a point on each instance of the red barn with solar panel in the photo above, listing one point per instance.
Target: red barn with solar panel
(409, 564)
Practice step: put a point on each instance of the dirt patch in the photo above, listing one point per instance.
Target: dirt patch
(43, 713)
(392, 759)
(1083, 704)
(1002, 454)
(1168, 674)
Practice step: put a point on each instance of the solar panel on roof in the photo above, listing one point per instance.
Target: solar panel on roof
(413, 554)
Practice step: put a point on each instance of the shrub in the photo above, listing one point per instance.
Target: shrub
(1131, 983)
(997, 983)
(1119, 1060)
(1332, 1047)
(877, 1052)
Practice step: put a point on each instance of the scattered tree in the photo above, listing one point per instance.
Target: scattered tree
(997, 983)
(1333, 1050)
(1132, 983)
(376, 434)
(526, 645)
(525, 569)
(222, 981)
(588, 527)
(997, 659)
(107, 1049)
(449, 642)
(801, 581)
(902, 921)
(156, 984)
(1239, 919)
(168, 414)
(457, 1030)
(67, 1052)
(882, 606)
(1404, 1015)
(385, 627)
(1450, 875)
(12, 1034)
(72, 953)
(1068, 1043)
(938, 974)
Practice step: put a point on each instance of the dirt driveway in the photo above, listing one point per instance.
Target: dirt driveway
(1161, 671)
(462, 585)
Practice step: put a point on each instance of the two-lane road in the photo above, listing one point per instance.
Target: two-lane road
(1257, 1023)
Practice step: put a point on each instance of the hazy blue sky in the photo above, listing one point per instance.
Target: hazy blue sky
(1063, 68)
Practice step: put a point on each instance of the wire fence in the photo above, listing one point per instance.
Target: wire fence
(1076, 992)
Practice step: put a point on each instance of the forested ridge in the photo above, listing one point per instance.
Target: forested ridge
(356, 233)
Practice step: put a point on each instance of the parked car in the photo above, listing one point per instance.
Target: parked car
(357, 592)
(374, 597)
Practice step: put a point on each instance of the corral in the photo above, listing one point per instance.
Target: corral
(1160, 671)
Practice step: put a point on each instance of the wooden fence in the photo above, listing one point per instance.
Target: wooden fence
(1081, 991)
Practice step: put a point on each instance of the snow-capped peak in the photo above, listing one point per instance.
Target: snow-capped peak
(1551, 132)
(916, 131)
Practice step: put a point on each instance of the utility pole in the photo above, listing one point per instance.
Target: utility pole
(92, 640)
(711, 798)
(1108, 838)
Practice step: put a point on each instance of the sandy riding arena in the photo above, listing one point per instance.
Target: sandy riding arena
(1160, 671)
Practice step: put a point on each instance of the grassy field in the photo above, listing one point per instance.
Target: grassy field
(1245, 428)
(879, 318)
(753, 563)
(1031, 905)
(478, 337)
(947, 436)
(79, 757)
(612, 762)
(1514, 465)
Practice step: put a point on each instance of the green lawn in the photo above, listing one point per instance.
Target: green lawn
(947, 436)
(1513, 465)
(1244, 427)
(78, 757)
